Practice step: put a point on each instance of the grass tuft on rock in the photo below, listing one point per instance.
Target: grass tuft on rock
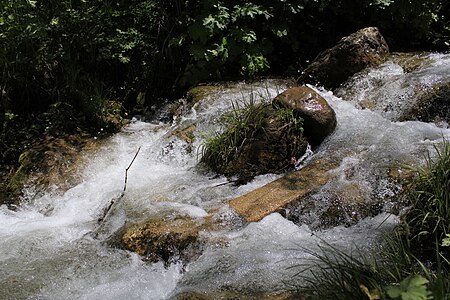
(257, 139)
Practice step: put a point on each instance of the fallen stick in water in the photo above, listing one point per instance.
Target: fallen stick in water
(114, 200)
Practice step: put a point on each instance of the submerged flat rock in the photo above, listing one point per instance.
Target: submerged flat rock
(272, 197)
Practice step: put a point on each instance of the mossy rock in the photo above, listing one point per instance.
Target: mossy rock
(259, 140)
(22, 175)
(353, 53)
(229, 294)
(346, 206)
(198, 93)
(186, 134)
(53, 161)
(162, 239)
(410, 62)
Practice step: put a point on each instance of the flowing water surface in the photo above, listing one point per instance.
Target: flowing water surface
(46, 251)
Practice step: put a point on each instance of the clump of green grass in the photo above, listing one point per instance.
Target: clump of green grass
(427, 222)
(243, 125)
(391, 272)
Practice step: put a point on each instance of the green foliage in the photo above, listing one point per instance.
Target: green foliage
(411, 288)
(338, 275)
(391, 272)
(75, 51)
(226, 33)
(60, 51)
(446, 241)
(241, 125)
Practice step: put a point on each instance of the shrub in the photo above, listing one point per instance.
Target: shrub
(53, 51)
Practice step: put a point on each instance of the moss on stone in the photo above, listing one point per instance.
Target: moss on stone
(198, 93)
(160, 238)
(22, 174)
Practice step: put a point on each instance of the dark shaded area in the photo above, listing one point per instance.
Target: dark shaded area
(89, 54)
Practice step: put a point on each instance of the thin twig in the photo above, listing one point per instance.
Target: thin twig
(129, 166)
(106, 211)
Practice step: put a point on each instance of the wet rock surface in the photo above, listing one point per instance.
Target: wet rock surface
(166, 239)
(319, 118)
(407, 87)
(51, 163)
(350, 55)
(275, 196)
(222, 295)
(43, 152)
(431, 105)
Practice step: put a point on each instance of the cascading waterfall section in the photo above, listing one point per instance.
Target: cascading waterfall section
(48, 248)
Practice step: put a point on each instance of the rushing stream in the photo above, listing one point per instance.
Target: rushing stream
(46, 251)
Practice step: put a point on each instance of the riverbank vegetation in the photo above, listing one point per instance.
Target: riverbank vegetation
(87, 52)
(94, 55)
(412, 263)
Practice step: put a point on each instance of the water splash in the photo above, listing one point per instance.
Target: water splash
(45, 252)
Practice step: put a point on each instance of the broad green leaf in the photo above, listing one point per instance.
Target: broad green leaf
(281, 33)
(249, 36)
(411, 288)
(384, 3)
(32, 3)
(54, 21)
(394, 292)
(446, 241)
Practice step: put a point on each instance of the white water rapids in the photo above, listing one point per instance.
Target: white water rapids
(44, 253)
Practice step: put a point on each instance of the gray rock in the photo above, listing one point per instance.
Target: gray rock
(351, 54)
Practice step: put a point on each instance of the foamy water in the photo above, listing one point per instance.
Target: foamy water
(46, 251)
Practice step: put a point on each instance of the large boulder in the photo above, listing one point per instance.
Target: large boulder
(271, 149)
(50, 162)
(353, 53)
(319, 118)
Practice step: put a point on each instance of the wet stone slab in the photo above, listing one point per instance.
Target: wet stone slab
(274, 196)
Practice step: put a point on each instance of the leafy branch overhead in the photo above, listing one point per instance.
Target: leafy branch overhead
(226, 33)
(86, 52)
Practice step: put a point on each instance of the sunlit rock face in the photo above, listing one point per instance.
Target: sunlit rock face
(273, 197)
(163, 239)
(351, 54)
(319, 117)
